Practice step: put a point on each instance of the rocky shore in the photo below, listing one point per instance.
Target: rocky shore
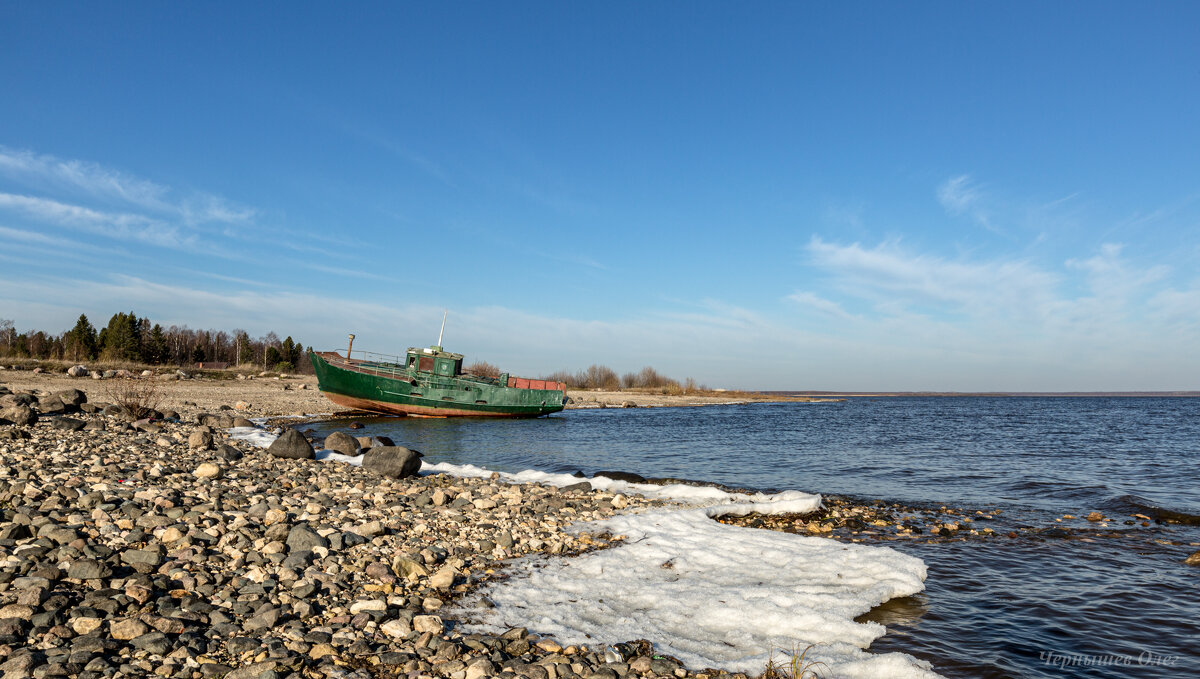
(159, 547)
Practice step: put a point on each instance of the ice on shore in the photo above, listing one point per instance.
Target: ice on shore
(260, 438)
(707, 593)
(711, 595)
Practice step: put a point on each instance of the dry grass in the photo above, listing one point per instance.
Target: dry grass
(137, 397)
(794, 667)
(58, 366)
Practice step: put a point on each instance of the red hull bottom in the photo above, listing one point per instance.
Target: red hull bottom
(410, 410)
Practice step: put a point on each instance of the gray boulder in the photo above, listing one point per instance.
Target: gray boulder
(229, 453)
(71, 397)
(88, 569)
(20, 415)
(23, 399)
(68, 424)
(51, 405)
(219, 421)
(397, 462)
(77, 371)
(302, 538)
(291, 445)
(365, 442)
(342, 443)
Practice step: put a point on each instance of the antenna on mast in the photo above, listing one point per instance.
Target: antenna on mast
(443, 330)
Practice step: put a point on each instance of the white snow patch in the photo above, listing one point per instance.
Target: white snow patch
(324, 455)
(253, 435)
(711, 595)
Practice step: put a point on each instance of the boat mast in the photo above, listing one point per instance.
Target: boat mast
(443, 330)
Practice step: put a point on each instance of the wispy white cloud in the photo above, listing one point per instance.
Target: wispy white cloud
(32, 237)
(891, 276)
(119, 226)
(814, 301)
(83, 179)
(1112, 278)
(1177, 310)
(962, 196)
(61, 247)
(81, 176)
(1083, 322)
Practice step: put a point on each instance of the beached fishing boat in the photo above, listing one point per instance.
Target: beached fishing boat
(429, 382)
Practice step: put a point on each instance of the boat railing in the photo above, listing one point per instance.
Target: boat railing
(388, 365)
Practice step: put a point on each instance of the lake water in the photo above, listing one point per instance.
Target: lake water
(1089, 602)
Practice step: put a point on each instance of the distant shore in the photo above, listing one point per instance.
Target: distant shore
(1023, 394)
(585, 399)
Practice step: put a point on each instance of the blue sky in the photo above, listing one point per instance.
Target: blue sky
(933, 196)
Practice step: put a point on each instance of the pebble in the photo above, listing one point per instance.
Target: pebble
(207, 470)
(168, 549)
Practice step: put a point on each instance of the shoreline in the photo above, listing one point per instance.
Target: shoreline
(234, 562)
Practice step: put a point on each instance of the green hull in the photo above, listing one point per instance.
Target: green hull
(393, 389)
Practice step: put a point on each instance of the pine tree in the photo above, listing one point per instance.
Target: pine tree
(272, 358)
(290, 351)
(121, 340)
(155, 349)
(80, 342)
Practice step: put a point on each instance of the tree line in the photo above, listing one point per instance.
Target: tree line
(603, 377)
(129, 339)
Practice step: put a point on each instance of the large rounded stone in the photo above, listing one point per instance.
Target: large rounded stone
(67, 424)
(51, 405)
(200, 440)
(291, 445)
(302, 538)
(207, 470)
(397, 462)
(342, 443)
(72, 397)
(20, 415)
(88, 569)
(127, 629)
